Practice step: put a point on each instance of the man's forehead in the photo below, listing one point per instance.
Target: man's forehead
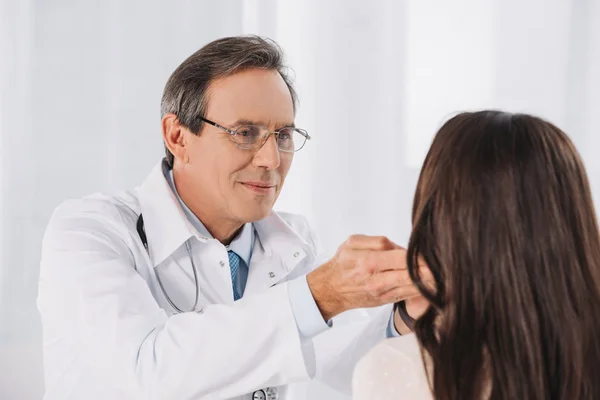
(257, 97)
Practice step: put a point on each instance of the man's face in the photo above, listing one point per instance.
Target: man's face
(236, 184)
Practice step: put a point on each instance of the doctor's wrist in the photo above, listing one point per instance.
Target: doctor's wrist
(324, 295)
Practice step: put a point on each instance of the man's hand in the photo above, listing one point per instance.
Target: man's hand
(366, 271)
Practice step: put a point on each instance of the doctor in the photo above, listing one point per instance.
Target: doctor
(190, 286)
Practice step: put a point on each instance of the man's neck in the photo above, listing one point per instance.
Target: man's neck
(224, 230)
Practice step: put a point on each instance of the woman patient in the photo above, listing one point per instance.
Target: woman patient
(503, 217)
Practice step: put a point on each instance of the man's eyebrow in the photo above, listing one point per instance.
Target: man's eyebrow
(244, 121)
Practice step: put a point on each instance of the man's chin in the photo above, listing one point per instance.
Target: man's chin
(255, 214)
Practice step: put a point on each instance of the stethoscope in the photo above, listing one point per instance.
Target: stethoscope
(269, 393)
(142, 233)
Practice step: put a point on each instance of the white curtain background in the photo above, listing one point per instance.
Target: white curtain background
(80, 86)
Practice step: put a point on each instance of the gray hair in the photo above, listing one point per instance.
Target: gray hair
(185, 93)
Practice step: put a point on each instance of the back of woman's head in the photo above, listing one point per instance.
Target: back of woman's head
(504, 218)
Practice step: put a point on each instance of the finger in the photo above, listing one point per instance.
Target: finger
(364, 242)
(392, 282)
(399, 294)
(397, 260)
(386, 281)
(388, 260)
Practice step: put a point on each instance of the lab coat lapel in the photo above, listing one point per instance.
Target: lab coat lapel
(278, 250)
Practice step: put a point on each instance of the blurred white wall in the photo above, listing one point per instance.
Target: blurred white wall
(80, 86)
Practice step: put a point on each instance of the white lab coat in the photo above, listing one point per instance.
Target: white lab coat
(109, 332)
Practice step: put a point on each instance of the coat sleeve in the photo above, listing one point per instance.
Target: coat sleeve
(92, 299)
(352, 335)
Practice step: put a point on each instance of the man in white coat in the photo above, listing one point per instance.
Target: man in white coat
(190, 286)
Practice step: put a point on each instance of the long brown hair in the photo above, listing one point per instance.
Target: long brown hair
(504, 218)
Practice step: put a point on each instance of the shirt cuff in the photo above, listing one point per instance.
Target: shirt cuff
(309, 320)
(391, 331)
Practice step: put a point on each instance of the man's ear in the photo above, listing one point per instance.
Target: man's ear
(174, 138)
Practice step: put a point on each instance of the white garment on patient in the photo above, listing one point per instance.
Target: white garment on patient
(392, 370)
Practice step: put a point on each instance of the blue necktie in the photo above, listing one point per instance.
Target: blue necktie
(234, 265)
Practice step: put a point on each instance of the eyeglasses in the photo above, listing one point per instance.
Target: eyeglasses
(253, 137)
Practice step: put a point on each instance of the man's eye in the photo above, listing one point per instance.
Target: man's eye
(285, 134)
(248, 131)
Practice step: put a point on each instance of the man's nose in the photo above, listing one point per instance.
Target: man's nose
(268, 155)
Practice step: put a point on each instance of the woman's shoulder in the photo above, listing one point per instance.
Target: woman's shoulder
(391, 370)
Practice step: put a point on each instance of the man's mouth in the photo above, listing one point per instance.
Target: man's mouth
(259, 187)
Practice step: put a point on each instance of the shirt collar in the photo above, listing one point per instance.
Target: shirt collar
(165, 223)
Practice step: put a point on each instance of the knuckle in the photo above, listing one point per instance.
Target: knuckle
(373, 289)
(383, 242)
(353, 239)
(367, 263)
(348, 242)
(342, 260)
(360, 264)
